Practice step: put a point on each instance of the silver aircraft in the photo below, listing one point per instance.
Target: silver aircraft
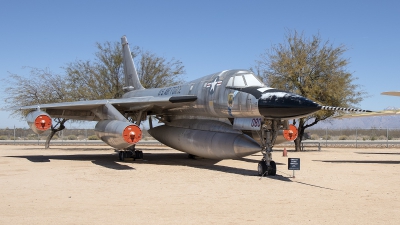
(225, 115)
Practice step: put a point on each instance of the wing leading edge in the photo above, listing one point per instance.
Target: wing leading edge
(82, 110)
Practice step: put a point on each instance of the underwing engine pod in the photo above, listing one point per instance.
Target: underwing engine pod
(38, 121)
(118, 134)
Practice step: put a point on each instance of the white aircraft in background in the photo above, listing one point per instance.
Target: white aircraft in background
(376, 113)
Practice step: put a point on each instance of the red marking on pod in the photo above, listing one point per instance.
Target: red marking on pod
(43, 122)
(132, 134)
(291, 133)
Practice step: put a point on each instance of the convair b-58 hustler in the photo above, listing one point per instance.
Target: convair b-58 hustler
(225, 115)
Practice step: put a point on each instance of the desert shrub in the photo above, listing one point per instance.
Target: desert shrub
(314, 137)
(32, 137)
(353, 137)
(93, 137)
(81, 137)
(329, 137)
(343, 137)
(72, 137)
(3, 137)
(382, 137)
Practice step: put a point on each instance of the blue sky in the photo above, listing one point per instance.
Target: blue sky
(207, 36)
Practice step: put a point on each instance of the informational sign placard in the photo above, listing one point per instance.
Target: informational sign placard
(293, 163)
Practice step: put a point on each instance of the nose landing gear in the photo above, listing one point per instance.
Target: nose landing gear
(269, 132)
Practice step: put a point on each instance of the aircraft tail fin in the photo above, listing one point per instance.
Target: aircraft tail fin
(132, 81)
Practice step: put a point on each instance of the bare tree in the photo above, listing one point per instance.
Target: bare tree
(101, 78)
(41, 87)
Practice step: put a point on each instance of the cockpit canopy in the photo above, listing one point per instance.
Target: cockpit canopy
(244, 80)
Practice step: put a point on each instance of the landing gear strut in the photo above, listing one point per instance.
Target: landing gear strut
(269, 132)
(130, 152)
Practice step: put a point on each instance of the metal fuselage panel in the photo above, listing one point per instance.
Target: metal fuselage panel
(214, 99)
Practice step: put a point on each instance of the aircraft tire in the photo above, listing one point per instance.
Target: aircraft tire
(272, 169)
(129, 154)
(141, 154)
(262, 167)
(123, 155)
(138, 155)
(120, 156)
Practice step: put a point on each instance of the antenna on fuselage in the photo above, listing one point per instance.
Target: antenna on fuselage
(132, 81)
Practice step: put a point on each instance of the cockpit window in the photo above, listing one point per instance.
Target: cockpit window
(230, 82)
(251, 80)
(239, 82)
(244, 80)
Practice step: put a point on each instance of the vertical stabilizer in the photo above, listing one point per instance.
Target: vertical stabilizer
(132, 81)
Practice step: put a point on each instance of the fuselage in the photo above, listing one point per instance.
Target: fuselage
(233, 94)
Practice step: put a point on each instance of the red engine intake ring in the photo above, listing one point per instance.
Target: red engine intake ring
(291, 133)
(43, 122)
(132, 134)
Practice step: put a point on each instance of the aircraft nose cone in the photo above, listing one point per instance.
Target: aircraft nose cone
(277, 104)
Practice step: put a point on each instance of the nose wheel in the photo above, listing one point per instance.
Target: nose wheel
(264, 169)
(269, 132)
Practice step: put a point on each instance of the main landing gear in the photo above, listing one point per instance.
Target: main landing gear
(269, 132)
(130, 152)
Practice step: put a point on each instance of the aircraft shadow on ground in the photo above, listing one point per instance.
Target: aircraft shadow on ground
(75, 149)
(101, 160)
(378, 153)
(313, 185)
(255, 161)
(181, 159)
(174, 159)
(360, 161)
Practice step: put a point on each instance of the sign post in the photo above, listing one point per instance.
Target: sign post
(293, 164)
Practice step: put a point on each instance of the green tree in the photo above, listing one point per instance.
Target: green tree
(155, 71)
(104, 76)
(101, 78)
(314, 69)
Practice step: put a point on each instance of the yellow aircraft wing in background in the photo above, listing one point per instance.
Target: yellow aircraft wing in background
(377, 113)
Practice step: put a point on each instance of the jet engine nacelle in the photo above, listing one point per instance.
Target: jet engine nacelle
(38, 121)
(118, 134)
(219, 141)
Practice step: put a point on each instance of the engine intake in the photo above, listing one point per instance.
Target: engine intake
(38, 121)
(118, 134)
